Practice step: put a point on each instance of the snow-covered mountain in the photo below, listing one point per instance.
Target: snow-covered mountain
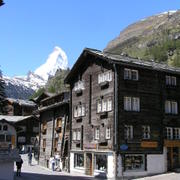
(56, 60)
(24, 86)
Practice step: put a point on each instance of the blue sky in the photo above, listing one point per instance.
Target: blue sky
(30, 29)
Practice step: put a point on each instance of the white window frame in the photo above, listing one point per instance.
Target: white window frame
(79, 111)
(171, 80)
(176, 133)
(105, 76)
(171, 107)
(97, 133)
(128, 132)
(78, 133)
(169, 133)
(108, 132)
(146, 132)
(104, 105)
(131, 103)
(128, 74)
(79, 86)
(74, 135)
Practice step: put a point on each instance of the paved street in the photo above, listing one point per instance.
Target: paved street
(168, 176)
(36, 172)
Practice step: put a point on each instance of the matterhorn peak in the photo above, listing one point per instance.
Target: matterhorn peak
(56, 60)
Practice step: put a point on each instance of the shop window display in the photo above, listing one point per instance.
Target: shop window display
(134, 162)
(101, 162)
(78, 160)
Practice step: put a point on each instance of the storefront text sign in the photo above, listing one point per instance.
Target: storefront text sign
(149, 144)
(124, 147)
(90, 146)
(172, 143)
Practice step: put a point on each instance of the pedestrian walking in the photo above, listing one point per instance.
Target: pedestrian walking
(53, 164)
(19, 165)
(29, 158)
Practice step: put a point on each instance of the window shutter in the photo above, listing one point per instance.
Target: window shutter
(109, 104)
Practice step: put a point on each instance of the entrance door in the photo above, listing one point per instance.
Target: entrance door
(89, 170)
(173, 157)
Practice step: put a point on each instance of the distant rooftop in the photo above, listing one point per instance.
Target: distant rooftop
(21, 102)
(13, 119)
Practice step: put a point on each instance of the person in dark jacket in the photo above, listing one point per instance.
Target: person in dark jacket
(19, 165)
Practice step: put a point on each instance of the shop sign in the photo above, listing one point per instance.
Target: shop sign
(90, 146)
(149, 144)
(171, 143)
(124, 147)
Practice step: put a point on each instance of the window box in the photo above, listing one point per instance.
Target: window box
(104, 84)
(103, 115)
(79, 92)
(78, 120)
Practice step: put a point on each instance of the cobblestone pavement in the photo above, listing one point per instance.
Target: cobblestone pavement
(36, 172)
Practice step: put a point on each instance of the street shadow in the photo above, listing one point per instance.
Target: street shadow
(33, 176)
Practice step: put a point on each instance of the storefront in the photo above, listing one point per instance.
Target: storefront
(173, 154)
(93, 163)
(129, 165)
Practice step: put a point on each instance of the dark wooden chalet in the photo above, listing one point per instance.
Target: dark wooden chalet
(124, 115)
(54, 131)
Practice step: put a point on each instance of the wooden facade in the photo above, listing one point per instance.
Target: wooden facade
(54, 130)
(144, 104)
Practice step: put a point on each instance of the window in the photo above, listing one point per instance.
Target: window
(128, 132)
(176, 133)
(5, 128)
(104, 105)
(77, 135)
(108, 133)
(74, 135)
(172, 133)
(131, 74)
(132, 104)
(2, 138)
(134, 162)
(79, 86)
(171, 80)
(100, 162)
(79, 111)
(169, 133)
(103, 77)
(97, 133)
(171, 107)
(146, 132)
(78, 160)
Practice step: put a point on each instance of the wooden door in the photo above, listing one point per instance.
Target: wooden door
(89, 169)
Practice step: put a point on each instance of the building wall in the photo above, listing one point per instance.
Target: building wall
(92, 119)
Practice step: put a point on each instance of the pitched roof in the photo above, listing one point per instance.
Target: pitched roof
(13, 119)
(119, 59)
(21, 102)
